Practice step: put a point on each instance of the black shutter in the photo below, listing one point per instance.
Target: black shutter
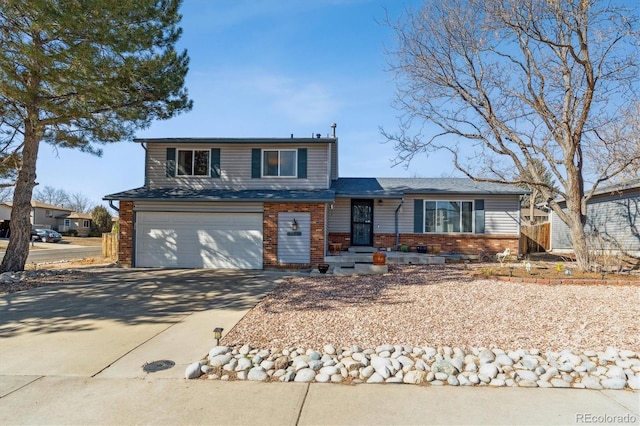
(215, 162)
(171, 162)
(479, 209)
(302, 163)
(418, 216)
(256, 159)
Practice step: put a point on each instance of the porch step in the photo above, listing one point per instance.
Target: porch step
(362, 249)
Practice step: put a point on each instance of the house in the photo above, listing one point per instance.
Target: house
(253, 203)
(42, 215)
(79, 222)
(613, 221)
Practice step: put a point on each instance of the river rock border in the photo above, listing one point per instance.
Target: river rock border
(557, 281)
(609, 369)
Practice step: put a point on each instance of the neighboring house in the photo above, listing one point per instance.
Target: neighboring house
(42, 215)
(80, 222)
(613, 221)
(253, 203)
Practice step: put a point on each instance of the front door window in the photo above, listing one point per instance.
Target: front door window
(362, 222)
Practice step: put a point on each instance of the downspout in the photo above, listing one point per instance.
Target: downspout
(113, 207)
(396, 223)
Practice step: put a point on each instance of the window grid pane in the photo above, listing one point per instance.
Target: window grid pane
(430, 216)
(467, 216)
(201, 163)
(287, 163)
(185, 163)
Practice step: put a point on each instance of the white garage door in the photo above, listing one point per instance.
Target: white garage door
(199, 240)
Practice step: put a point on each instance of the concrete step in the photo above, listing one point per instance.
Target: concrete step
(362, 249)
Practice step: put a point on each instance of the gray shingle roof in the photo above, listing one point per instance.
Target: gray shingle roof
(396, 187)
(249, 141)
(182, 194)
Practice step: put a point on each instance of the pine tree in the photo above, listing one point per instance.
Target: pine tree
(78, 74)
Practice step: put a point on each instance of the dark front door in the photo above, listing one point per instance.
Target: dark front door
(362, 222)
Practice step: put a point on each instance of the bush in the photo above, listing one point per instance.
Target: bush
(70, 233)
(95, 233)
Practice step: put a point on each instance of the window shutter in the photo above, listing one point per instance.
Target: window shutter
(418, 216)
(215, 162)
(256, 159)
(171, 162)
(302, 163)
(479, 209)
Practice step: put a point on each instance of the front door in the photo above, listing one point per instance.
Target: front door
(362, 222)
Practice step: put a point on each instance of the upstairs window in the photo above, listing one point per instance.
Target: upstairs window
(193, 162)
(448, 217)
(279, 162)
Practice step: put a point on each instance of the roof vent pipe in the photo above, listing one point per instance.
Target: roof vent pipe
(333, 130)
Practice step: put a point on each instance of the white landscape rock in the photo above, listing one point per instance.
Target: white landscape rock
(193, 370)
(451, 366)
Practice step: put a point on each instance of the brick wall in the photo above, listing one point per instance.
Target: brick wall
(125, 245)
(450, 243)
(270, 231)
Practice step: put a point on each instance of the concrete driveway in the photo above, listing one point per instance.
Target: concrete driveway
(111, 323)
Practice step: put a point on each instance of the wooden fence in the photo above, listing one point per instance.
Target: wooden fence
(535, 238)
(110, 245)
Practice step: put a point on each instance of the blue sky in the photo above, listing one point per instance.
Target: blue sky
(269, 68)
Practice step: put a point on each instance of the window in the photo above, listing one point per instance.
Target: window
(448, 216)
(48, 213)
(279, 163)
(193, 162)
(67, 222)
(86, 223)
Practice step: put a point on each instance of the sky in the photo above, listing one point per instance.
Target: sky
(270, 68)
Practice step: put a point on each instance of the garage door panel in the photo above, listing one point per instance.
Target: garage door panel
(199, 240)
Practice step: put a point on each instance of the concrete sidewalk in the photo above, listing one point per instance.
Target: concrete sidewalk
(68, 400)
(73, 354)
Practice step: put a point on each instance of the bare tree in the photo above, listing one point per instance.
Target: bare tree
(78, 202)
(501, 83)
(54, 196)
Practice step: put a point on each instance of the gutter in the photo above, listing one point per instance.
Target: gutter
(113, 207)
(396, 223)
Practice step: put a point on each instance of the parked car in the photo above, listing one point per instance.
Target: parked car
(45, 235)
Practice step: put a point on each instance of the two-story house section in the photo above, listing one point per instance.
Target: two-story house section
(240, 203)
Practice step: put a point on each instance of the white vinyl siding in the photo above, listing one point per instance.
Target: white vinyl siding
(198, 240)
(613, 218)
(501, 214)
(235, 163)
(294, 245)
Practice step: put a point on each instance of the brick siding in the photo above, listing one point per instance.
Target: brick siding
(270, 231)
(125, 245)
(469, 244)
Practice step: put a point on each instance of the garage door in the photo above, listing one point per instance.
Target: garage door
(199, 240)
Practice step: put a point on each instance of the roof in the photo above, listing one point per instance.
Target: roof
(251, 141)
(74, 215)
(622, 186)
(257, 195)
(40, 205)
(396, 187)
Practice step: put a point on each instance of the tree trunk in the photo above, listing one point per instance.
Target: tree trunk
(580, 248)
(20, 226)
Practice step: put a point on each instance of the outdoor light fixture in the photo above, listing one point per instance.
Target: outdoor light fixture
(294, 225)
(217, 333)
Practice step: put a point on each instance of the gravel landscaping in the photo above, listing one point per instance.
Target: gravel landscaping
(437, 326)
(438, 307)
